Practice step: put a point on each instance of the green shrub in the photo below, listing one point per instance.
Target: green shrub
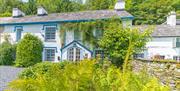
(87, 75)
(7, 53)
(119, 41)
(29, 51)
(40, 69)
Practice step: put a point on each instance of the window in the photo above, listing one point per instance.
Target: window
(74, 54)
(177, 58)
(99, 34)
(77, 35)
(100, 53)
(71, 54)
(177, 42)
(140, 55)
(18, 33)
(50, 34)
(49, 54)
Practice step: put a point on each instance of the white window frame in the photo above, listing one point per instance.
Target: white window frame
(45, 54)
(74, 54)
(18, 30)
(51, 39)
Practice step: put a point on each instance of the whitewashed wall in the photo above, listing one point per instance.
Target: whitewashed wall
(162, 46)
(37, 30)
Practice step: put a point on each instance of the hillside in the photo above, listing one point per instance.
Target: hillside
(145, 11)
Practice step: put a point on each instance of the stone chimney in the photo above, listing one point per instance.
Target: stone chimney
(120, 5)
(171, 18)
(17, 13)
(41, 11)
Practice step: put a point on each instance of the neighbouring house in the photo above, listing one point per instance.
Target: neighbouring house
(165, 43)
(48, 26)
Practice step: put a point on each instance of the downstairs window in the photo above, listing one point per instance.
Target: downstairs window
(50, 54)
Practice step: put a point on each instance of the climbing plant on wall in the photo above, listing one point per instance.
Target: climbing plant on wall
(91, 30)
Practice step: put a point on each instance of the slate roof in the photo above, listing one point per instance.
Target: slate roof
(67, 17)
(162, 30)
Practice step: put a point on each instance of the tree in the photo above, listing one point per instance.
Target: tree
(100, 4)
(121, 42)
(57, 6)
(30, 8)
(7, 5)
(29, 51)
(151, 11)
(7, 53)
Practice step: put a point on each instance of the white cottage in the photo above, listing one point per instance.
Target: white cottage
(47, 26)
(165, 41)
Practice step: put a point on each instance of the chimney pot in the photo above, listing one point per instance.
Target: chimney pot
(41, 11)
(171, 19)
(17, 13)
(120, 5)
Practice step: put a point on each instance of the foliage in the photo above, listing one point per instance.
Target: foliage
(40, 69)
(6, 14)
(100, 4)
(60, 5)
(152, 11)
(87, 29)
(7, 53)
(119, 41)
(87, 75)
(29, 51)
(7, 5)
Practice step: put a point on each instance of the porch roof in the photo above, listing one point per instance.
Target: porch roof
(76, 42)
(66, 17)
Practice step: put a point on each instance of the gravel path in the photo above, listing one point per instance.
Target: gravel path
(7, 74)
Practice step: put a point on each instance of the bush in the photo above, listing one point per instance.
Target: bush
(87, 75)
(40, 69)
(29, 51)
(119, 41)
(7, 53)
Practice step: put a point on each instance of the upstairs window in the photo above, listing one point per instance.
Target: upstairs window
(18, 31)
(77, 35)
(98, 34)
(177, 42)
(50, 33)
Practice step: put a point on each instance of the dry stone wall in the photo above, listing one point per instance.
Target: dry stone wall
(168, 72)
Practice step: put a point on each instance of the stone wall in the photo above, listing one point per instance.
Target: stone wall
(167, 71)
